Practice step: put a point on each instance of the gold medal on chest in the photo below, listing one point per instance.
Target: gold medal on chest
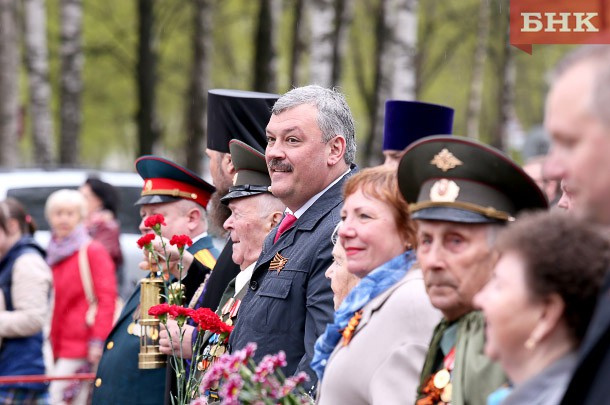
(134, 329)
(442, 378)
(446, 394)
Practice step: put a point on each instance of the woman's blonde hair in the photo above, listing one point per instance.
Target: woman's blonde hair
(66, 197)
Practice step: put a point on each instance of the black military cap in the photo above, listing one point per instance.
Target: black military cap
(251, 177)
(166, 181)
(455, 179)
(238, 114)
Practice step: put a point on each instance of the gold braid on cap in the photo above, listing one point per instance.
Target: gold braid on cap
(489, 212)
(174, 193)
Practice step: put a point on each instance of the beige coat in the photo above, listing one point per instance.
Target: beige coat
(32, 282)
(382, 362)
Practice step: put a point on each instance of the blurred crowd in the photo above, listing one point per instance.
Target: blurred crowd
(448, 275)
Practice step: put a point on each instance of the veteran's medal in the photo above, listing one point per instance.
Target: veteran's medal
(442, 378)
(446, 394)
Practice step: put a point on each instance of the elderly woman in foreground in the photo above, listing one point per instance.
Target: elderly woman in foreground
(373, 352)
(540, 301)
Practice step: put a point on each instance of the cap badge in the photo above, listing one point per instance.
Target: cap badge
(148, 185)
(278, 262)
(444, 190)
(445, 160)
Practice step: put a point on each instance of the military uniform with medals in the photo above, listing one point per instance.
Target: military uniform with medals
(118, 378)
(458, 180)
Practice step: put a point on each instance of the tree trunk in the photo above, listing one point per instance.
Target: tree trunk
(37, 61)
(265, 64)
(343, 18)
(9, 83)
(506, 101)
(298, 44)
(384, 72)
(71, 16)
(322, 25)
(475, 99)
(198, 90)
(146, 71)
(405, 38)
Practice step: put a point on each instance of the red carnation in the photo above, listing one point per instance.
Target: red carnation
(208, 320)
(180, 241)
(177, 310)
(154, 220)
(160, 312)
(146, 240)
(160, 309)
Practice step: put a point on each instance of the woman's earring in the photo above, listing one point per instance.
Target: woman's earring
(530, 343)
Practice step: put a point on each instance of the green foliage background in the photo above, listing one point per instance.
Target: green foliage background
(108, 136)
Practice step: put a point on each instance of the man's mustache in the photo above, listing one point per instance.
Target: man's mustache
(276, 164)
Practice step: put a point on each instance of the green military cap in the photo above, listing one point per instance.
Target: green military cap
(455, 179)
(251, 174)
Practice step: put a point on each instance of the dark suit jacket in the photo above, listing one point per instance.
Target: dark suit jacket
(590, 382)
(118, 376)
(288, 309)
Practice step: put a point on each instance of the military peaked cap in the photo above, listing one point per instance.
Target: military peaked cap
(252, 176)
(166, 181)
(456, 179)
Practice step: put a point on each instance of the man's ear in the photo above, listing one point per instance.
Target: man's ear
(195, 217)
(336, 150)
(227, 164)
(273, 220)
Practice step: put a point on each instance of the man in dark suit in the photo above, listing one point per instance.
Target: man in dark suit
(578, 120)
(181, 197)
(310, 150)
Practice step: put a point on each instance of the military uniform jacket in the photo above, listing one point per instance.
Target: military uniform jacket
(119, 380)
(474, 376)
(382, 362)
(287, 309)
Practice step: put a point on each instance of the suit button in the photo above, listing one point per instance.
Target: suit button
(110, 345)
(253, 285)
(98, 382)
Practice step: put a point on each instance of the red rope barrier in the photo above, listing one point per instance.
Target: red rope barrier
(45, 378)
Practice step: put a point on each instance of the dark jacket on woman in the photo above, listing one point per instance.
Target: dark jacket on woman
(22, 355)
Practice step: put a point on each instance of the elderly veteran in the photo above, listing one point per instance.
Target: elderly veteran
(181, 197)
(374, 350)
(550, 270)
(407, 121)
(460, 192)
(254, 212)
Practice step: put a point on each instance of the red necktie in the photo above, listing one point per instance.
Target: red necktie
(286, 223)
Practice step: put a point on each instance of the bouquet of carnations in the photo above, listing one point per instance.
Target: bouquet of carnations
(188, 378)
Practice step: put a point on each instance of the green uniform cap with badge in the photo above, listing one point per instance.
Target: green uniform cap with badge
(455, 179)
(251, 174)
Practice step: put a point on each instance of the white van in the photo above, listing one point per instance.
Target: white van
(32, 187)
